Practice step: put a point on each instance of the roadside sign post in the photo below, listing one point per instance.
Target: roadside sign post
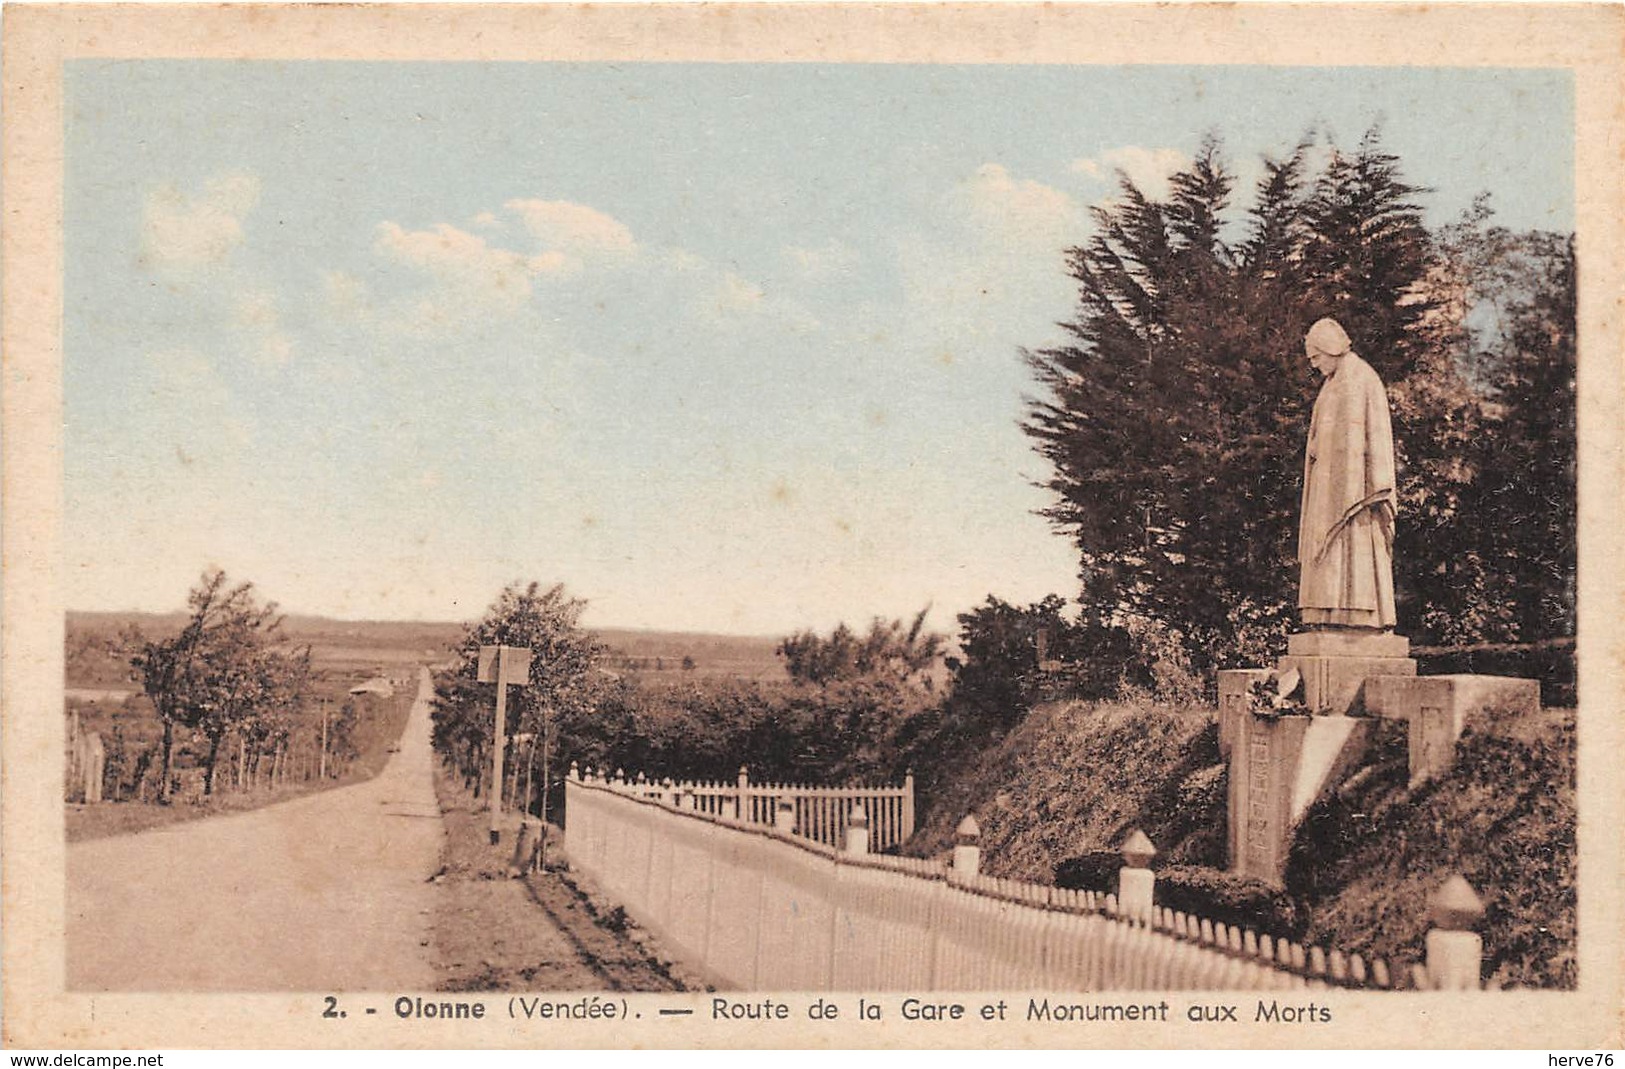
(506, 666)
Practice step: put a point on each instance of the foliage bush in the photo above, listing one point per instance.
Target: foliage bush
(1092, 870)
(1368, 859)
(1206, 892)
(1227, 899)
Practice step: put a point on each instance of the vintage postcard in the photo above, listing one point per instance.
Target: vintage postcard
(812, 526)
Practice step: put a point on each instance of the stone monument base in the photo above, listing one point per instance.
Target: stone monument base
(1235, 685)
(1438, 708)
(1279, 767)
(1336, 663)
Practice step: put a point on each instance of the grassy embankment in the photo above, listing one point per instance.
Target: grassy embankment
(1057, 795)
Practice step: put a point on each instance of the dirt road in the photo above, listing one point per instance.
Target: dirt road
(323, 893)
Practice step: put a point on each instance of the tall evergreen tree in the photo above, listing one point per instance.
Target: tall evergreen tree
(1174, 419)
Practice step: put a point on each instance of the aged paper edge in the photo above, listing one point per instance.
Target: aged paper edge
(1585, 39)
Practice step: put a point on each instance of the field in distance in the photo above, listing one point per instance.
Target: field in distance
(97, 660)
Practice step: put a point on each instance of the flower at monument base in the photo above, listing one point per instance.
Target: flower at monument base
(1277, 694)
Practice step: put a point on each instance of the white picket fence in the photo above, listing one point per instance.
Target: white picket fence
(820, 813)
(754, 907)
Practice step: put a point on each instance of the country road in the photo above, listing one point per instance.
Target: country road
(323, 893)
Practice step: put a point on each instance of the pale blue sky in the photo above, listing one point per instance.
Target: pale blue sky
(722, 347)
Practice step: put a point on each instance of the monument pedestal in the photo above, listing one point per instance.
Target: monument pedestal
(1335, 665)
(1235, 689)
(1279, 767)
(1438, 708)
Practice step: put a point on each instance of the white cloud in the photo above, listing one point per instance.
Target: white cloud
(1006, 207)
(193, 231)
(475, 274)
(729, 300)
(1148, 168)
(834, 257)
(992, 277)
(257, 310)
(346, 294)
(733, 301)
(256, 315)
(575, 229)
(276, 349)
(736, 293)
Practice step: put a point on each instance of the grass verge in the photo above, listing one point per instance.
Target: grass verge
(545, 931)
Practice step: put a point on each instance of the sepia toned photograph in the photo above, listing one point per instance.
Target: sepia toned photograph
(696, 542)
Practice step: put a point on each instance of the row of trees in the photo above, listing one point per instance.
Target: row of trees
(853, 706)
(223, 673)
(836, 718)
(1174, 419)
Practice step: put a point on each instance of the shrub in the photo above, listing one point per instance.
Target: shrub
(1227, 899)
(1092, 871)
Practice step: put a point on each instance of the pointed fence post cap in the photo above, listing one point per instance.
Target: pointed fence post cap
(858, 817)
(1137, 850)
(968, 831)
(1455, 906)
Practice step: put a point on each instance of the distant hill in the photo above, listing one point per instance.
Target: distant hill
(741, 657)
(96, 658)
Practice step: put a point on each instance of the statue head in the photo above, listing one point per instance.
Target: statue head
(1326, 344)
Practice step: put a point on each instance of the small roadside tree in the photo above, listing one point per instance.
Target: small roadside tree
(902, 653)
(213, 673)
(559, 690)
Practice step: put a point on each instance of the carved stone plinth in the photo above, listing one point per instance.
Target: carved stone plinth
(1438, 708)
(1234, 684)
(1335, 666)
(1279, 767)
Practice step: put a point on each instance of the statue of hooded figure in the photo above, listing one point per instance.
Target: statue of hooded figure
(1346, 529)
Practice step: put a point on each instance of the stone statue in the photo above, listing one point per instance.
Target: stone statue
(1346, 529)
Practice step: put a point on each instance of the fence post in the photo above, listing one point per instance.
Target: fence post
(575, 772)
(1135, 882)
(1455, 953)
(784, 815)
(908, 806)
(740, 808)
(968, 847)
(857, 831)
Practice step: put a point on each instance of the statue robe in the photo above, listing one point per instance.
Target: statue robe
(1346, 526)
